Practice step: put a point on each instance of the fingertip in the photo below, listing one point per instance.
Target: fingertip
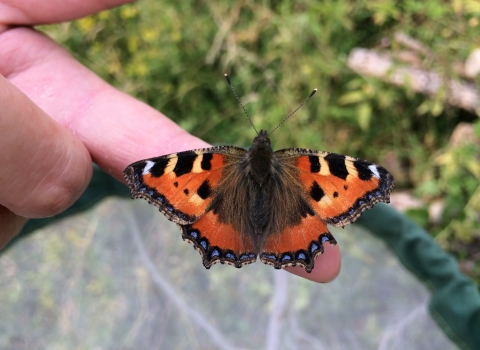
(327, 266)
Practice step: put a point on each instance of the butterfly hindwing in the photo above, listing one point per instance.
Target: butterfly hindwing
(297, 245)
(339, 188)
(219, 242)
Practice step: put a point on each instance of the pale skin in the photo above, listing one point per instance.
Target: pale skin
(57, 117)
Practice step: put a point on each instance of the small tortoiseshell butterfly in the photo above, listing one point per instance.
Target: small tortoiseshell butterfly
(233, 204)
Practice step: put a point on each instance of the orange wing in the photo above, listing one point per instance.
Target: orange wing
(297, 245)
(182, 185)
(339, 188)
(219, 242)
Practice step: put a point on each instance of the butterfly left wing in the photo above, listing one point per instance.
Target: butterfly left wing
(183, 185)
(337, 189)
(340, 188)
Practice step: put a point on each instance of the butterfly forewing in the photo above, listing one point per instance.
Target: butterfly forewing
(339, 188)
(181, 184)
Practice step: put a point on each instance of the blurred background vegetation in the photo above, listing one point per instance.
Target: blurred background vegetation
(173, 54)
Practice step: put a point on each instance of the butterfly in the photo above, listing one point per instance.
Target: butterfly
(234, 204)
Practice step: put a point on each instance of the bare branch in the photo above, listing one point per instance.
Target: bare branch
(397, 330)
(411, 43)
(279, 308)
(372, 63)
(300, 336)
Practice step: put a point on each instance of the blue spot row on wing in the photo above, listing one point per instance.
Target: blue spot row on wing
(302, 255)
(213, 252)
(182, 216)
(270, 256)
(247, 256)
(361, 201)
(153, 194)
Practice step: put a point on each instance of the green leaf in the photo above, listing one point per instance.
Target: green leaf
(364, 111)
(351, 97)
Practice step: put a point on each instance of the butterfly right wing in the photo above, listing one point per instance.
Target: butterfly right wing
(219, 242)
(183, 185)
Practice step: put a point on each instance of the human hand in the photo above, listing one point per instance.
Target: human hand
(58, 116)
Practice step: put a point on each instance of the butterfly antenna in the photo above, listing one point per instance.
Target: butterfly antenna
(288, 116)
(231, 86)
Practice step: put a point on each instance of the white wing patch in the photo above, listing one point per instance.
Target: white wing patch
(373, 169)
(147, 168)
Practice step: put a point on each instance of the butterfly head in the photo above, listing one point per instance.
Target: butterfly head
(261, 145)
(262, 139)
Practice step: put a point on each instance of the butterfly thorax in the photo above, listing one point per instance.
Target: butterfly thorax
(260, 158)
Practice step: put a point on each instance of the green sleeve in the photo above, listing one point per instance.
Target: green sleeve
(455, 302)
